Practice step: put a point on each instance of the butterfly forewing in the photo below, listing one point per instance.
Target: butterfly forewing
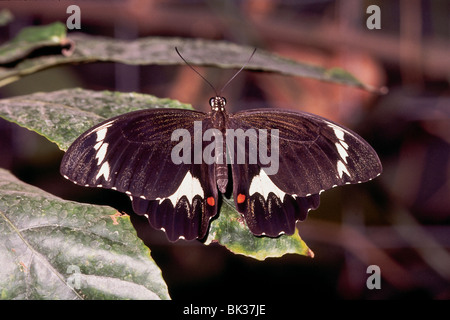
(129, 152)
(315, 154)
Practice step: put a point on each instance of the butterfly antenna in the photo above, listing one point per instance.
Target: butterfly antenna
(190, 66)
(242, 68)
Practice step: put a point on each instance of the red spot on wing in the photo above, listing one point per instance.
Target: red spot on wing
(211, 201)
(240, 198)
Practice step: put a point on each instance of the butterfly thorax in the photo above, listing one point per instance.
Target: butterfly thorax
(218, 113)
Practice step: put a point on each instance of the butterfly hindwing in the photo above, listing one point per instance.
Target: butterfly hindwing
(131, 153)
(187, 212)
(266, 208)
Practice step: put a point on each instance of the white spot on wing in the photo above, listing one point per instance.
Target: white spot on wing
(262, 184)
(104, 171)
(101, 130)
(189, 187)
(101, 134)
(342, 152)
(338, 132)
(98, 145)
(341, 168)
(342, 148)
(344, 144)
(101, 153)
(101, 149)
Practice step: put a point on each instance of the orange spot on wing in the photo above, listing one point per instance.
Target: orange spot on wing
(211, 201)
(240, 198)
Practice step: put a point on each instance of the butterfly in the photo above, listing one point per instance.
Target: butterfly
(155, 157)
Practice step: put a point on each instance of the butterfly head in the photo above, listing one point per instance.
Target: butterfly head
(217, 103)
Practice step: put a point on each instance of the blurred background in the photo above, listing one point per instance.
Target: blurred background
(399, 221)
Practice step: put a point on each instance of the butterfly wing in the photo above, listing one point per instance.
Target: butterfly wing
(315, 154)
(131, 153)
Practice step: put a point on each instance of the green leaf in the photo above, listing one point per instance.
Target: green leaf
(56, 249)
(62, 116)
(229, 230)
(32, 38)
(161, 51)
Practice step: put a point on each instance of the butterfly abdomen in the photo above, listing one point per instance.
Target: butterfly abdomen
(222, 177)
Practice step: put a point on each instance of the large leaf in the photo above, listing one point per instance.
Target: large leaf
(56, 249)
(61, 116)
(157, 50)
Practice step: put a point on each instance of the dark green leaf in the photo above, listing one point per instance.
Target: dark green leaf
(154, 50)
(56, 249)
(61, 116)
(229, 230)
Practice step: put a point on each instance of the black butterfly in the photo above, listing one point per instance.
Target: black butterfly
(132, 153)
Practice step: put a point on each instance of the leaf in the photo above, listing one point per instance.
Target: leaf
(56, 249)
(30, 39)
(62, 116)
(161, 51)
(230, 231)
